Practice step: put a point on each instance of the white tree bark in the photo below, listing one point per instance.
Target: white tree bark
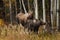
(36, 9)
(24, 6)
(10, 11)
(51, 13)
(57, 14)
(44, 16)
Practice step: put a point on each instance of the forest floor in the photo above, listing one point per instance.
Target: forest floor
(17, 32)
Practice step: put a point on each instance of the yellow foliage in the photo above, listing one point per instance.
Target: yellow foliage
(1, 22)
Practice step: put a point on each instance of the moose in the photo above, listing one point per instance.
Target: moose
(29, 22)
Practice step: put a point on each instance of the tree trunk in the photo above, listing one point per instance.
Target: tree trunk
(10, 11)
(57, 14)
(24, 6)
(44, 15)
(51, 13)
(36, 9)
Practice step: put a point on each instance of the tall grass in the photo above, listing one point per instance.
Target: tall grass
(17, 32)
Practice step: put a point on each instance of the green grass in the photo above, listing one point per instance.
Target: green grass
(17, 32)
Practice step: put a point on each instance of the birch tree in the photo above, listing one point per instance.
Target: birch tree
(51, 13)
(44, 16)
(20, 5)
(54, 13)
(57, 14)
(10, 11)
(36, 9)
(24, 6)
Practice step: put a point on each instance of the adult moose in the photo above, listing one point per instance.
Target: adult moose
(29, 22)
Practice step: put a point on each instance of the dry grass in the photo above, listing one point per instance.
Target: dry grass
(17, 32)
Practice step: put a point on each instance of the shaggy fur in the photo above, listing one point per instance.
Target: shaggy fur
(31, 24)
